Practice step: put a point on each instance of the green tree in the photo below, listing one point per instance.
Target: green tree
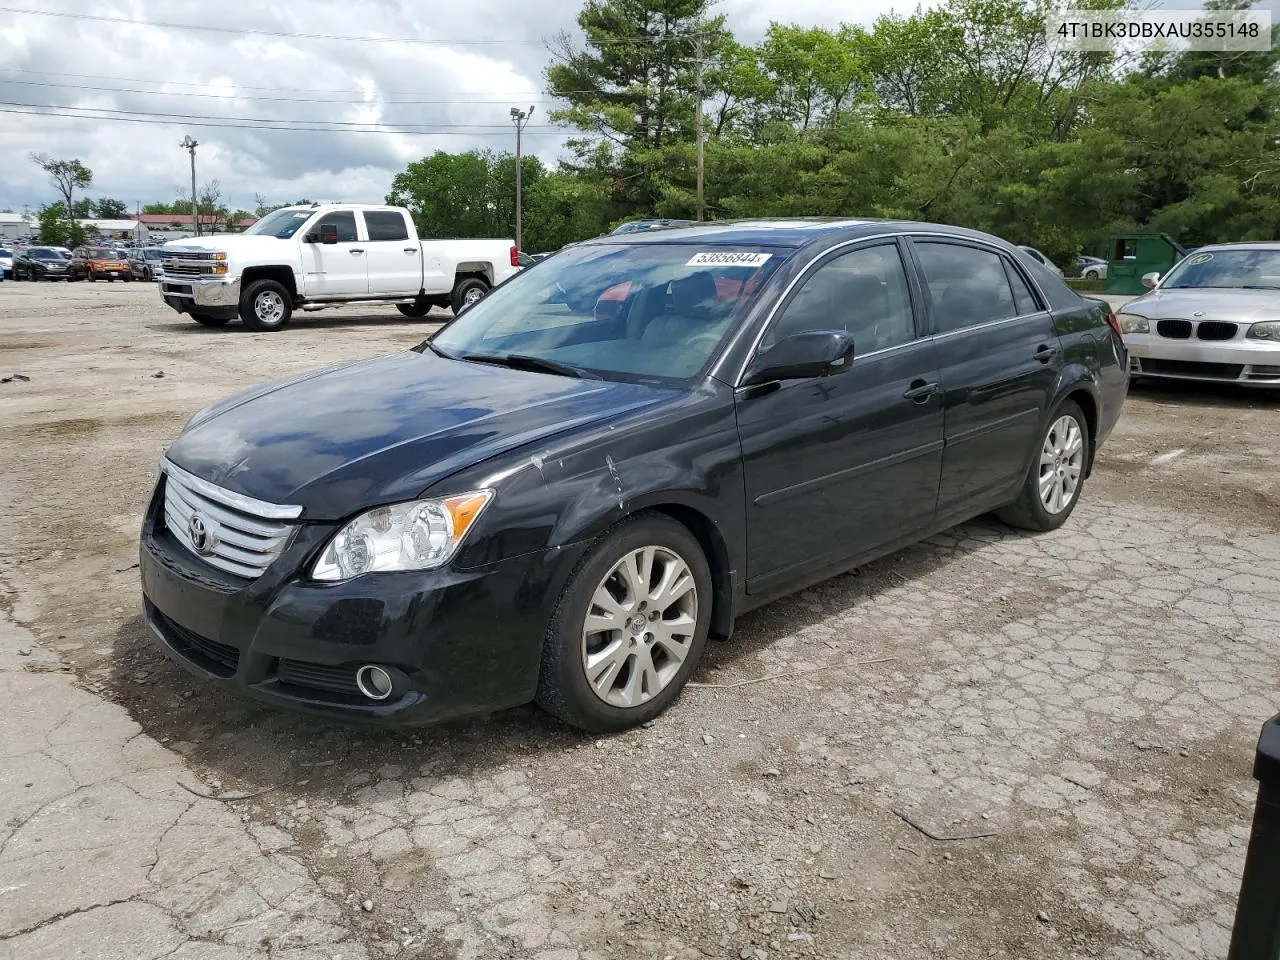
(67, 176)
(107, 208)
(57, 229)
(464, 195)
(631, 93)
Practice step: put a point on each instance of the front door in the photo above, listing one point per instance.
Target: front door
(838, 466)
(335, 269)
(395, 258)
(1000, 359)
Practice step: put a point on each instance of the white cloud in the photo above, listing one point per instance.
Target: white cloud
(223, 75)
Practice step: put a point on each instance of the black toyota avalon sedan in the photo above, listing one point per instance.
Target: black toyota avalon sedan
(581, 477)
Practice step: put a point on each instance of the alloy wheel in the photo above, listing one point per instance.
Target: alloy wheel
(639, 626)
(1061, 465)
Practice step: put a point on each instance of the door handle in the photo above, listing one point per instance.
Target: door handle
(356, 251)
(920, 391)
(410, 250)
(1046, 353)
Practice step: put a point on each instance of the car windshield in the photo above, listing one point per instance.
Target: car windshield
(100, 253)
(1242, 269)
(281, 224)
(153, 254)
(43, 253)
(635, 311)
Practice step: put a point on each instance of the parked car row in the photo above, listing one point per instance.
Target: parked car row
(83, 263)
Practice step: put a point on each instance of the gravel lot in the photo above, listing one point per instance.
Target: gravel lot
(1079, 709)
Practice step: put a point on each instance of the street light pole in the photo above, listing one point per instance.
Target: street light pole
(519, 118)
(190, 146)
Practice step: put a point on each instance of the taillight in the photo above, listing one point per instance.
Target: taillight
(515, 256)
(1114, 324)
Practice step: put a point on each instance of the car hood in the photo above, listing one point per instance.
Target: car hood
(340, 440)
(234, 244)
(1202, 303)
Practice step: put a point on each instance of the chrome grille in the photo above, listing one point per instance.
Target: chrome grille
(243, 535)
(190, 263)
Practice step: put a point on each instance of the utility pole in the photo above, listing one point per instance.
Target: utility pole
(519, 118)
(702, 66)
(190, 146)
(137, 221)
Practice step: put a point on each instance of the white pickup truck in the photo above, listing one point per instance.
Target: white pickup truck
(324, 255)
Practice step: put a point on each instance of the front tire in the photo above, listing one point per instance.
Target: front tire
(629, 627)
(416, 310)
(266, 305)
(466, 292)
(1091, 275)
(1053, 484)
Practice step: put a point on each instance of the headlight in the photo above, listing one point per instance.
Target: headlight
(420, 535)
(1132, 323)
(1265, 331)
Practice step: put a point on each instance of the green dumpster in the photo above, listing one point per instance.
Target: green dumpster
(1135, 254)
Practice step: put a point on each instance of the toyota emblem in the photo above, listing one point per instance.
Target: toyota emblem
(202, 538)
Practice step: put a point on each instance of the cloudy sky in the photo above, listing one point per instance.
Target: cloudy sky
(469, 63)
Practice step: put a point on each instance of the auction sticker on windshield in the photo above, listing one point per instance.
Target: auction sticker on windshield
(728, 258)
(1200, 258)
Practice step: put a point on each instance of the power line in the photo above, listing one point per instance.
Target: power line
(458, 130)
(229, 96)
(213, 28)
(507, 94)
(338, 125)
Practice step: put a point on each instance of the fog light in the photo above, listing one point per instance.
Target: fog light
(374, 682)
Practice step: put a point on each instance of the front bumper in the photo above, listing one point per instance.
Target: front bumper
(182, 294)
(1247, 362)
(458, 642)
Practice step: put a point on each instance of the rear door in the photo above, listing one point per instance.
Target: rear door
(999, 358)
(394, 254)
(335, 269)
(837, 466)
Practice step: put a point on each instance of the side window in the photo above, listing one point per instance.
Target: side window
(1023, 299)
(344, 220)
(863, 292)
(967, 285)
(385, 225)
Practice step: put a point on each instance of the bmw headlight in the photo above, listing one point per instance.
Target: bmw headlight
(1132, 323)
(1265, 331)
(419, 535)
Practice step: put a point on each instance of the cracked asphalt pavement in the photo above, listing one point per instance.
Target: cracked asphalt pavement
(988, 745)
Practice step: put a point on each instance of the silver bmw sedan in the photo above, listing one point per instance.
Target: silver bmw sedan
(1214, 316)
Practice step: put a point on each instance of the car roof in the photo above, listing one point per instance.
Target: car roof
(784, 232)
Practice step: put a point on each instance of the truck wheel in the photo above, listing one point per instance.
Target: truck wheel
(467, 291)
(266, 305)
(205, 320)
(419, 308)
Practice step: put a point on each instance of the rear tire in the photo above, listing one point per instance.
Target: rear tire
(467, 291)
(266, 305)
(205, 320)
(1053, 485)
(416, 310)
(610, 679)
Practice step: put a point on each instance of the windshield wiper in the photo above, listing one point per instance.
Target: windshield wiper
(519, 361)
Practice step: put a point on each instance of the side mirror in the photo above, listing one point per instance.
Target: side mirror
(804, 355)
(1149, 280)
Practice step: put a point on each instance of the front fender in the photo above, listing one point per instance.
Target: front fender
(683, 455)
